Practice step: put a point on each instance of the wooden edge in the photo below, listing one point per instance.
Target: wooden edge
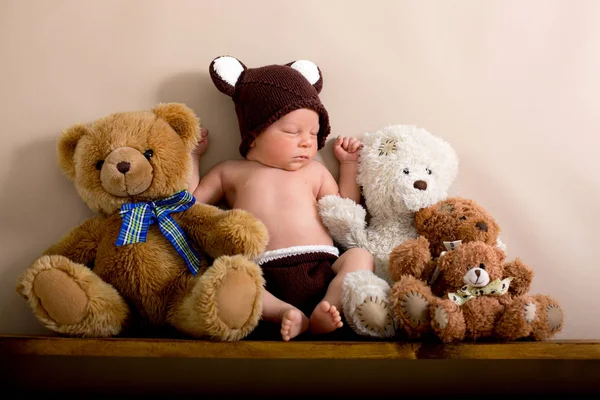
(551, 350)
(129, 347)
(133, 347)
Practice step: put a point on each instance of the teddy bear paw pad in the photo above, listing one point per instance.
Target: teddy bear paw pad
(441, 317)
(61, 296)
(554, 316)
(375, 316)
(415, 308)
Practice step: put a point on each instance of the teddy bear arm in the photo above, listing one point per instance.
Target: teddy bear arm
(522, 276)
(345, 220)
(80, 244)
(221, 232)
(411, 257)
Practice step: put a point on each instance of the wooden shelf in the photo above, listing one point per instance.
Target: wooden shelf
(130, 347)
(128, 366)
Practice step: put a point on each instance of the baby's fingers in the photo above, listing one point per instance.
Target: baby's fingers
(355, 146)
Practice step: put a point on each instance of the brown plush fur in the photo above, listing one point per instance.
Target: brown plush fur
(455, 218)
(147, 281)
(510, 316)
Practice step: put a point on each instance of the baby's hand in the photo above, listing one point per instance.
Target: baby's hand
(346, 149)
(202, 144)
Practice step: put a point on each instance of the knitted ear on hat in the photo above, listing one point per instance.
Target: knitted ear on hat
(310, 71)
(225, 72)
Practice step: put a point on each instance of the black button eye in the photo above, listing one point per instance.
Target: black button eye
(99, 164)
(148, 154)
(406, 171)
(428, 171)
(482, 266)
(463, 218)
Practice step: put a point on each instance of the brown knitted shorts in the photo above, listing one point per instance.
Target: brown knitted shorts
(300, 280)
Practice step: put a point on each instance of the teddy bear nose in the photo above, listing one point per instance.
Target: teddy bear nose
(123, 167)
(421, 185)
(482, 226)
(477, 272)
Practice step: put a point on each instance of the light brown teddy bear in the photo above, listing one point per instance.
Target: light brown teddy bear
(440, 227)
(466, 298)
(484, 297)
(152, 257)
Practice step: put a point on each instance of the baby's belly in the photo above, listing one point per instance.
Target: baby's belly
(287, 231)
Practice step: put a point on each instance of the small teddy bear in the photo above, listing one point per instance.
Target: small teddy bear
(152, 256)
(462, 231)
(440, 227)
(401, 169)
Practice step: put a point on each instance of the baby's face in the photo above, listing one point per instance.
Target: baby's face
(290, 143)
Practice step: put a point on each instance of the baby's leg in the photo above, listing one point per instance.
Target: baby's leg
(326, 316)
(293, 321)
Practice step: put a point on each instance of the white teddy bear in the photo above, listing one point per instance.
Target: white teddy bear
(401, 169)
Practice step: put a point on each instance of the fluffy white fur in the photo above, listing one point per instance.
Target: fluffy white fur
(391, 161)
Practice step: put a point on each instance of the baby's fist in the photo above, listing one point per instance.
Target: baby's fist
(346, 149)
(202, 144)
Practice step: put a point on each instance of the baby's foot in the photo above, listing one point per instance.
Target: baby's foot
(325, 318)
(293, 323)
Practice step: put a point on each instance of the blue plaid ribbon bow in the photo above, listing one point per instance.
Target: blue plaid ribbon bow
(137, 218)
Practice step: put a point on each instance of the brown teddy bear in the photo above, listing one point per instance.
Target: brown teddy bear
(443, 227)
(440, 227)
(484, 297)
(152, 257)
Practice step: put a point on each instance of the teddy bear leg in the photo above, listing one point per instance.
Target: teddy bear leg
(225, 303)
(68, 298)
(447, 320)
(538, 316)
(365, 305)
(549, 319)
(411, 298)
(516, 320)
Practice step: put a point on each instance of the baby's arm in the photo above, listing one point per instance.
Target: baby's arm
(196, 153)
(346, 150)
(210, 188)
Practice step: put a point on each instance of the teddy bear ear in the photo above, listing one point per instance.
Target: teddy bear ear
(225, 72)
(183, 121)
(67, 142)
(310, 71)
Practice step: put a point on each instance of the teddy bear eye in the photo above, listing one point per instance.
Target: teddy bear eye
(99, 164)
(482, 266)
(406, 171)
(428, 171)
(148, 154)
(463, 218)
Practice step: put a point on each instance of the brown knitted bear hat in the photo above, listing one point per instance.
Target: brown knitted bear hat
(265, 94)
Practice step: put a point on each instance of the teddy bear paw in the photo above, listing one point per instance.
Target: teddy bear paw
(447, 321)
(365, 301)
(415, 309)
(440, 318)
(529, 312)
(69, 298)
(375, 316)
(554, 317)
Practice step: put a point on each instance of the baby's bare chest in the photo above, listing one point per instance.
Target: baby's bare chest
(274, 188)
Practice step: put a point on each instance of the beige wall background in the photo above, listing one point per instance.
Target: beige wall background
(514, 86)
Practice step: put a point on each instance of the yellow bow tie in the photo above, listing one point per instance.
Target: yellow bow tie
(467, 292)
